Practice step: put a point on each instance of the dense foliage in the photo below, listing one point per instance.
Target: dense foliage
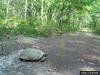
(47, 17)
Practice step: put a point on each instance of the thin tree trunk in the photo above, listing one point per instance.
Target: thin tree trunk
(42, 8)
(25, 9)
(29, 13)
(7, 11)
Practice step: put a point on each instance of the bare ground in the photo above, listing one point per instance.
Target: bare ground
(68, 54)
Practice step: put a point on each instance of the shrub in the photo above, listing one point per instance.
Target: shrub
(97, 29)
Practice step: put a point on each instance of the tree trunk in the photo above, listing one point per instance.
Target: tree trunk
(7, 11)
(42, 8)
(29, 13)
(25, 9)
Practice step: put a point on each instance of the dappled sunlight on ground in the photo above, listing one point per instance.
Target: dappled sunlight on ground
(74, 34)
(91, 58)
(87, 68)
(85, 29)
(76, 41)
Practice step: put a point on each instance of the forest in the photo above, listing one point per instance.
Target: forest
(46, 17)
(49, 37)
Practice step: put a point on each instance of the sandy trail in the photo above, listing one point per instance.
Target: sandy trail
(67, 55)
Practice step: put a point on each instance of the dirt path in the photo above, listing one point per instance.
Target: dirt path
(67, 55)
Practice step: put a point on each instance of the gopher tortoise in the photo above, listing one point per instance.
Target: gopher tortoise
(32, 54)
